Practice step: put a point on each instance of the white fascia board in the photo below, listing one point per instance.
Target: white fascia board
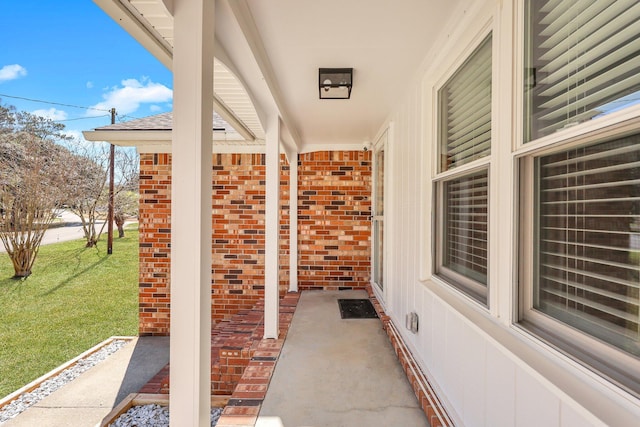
(153, 148)
(128, 137)
(217, 149)
(132, 25)
(312, 148)
(156, 45)
(163, 138)
(238, 149)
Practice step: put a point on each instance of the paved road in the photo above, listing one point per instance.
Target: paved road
(60, 234)
(72, 231)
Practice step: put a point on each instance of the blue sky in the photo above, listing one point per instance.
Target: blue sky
(71, 52)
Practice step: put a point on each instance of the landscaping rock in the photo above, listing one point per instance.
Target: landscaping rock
(153, 416)
(25, 400)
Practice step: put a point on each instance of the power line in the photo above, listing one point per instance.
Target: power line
(78, 118)
(67, 105)
(53, 103)
(122, 116)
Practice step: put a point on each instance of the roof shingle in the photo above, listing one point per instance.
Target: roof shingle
(162, 122)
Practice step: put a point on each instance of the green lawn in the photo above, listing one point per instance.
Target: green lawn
(75, 298)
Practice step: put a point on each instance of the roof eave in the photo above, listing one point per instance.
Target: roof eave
(134, 138)
(138, 30)
(128, 138)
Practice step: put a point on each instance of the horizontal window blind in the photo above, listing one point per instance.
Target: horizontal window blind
(583, 61)
(465, 225)
(466, 108)
(588, 248)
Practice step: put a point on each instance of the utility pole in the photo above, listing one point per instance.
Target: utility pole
(111, 174)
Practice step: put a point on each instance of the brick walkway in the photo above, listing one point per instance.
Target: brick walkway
(242, 363)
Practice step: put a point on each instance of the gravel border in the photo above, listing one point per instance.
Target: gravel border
(153, 415)
(25, 400)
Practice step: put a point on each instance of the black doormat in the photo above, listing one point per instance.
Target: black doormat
(356, 309)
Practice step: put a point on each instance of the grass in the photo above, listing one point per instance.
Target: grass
(75, 298)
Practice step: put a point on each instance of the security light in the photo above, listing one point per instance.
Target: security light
(335, 83)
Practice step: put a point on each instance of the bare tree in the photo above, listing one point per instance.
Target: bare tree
(125, 206)
(87, 181)
(126, 199)
(87, 176)
(30, 183)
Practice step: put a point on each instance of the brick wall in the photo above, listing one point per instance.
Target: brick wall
(239, 234)
(237, 266)
(334, 247)
(334, 209)
(155, 243)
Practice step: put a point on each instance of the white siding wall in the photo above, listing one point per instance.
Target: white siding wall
(481, 365)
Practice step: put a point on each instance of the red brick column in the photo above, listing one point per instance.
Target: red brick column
(155, 243)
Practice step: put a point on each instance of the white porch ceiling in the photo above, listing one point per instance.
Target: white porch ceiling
(269, 53)
(384, 41)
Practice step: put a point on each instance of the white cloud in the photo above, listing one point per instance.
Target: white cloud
(126, 99)
(12, 72)
(155, 108)
(89, 85)
(51, 113)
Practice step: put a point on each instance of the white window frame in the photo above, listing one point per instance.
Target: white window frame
(593, 354)
(467, 287)
(587, 350)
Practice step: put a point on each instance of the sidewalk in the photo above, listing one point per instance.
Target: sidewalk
(89, 398)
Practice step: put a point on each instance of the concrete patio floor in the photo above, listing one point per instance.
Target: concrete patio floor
(337, 372)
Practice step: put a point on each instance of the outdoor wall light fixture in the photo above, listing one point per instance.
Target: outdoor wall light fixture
(335, 83)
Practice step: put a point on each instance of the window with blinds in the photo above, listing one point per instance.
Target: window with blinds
(465, 106)
(463, 197)
(465, 227)
(581, 61)
(587, 249)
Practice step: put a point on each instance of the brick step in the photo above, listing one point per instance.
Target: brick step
(233, 344)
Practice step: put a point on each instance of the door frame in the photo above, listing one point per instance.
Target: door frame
(379, 269)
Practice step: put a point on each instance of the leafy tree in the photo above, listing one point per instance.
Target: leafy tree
(31, 183)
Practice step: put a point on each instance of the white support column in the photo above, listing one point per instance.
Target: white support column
(293, 222)
(190, 353)
(272, 229)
